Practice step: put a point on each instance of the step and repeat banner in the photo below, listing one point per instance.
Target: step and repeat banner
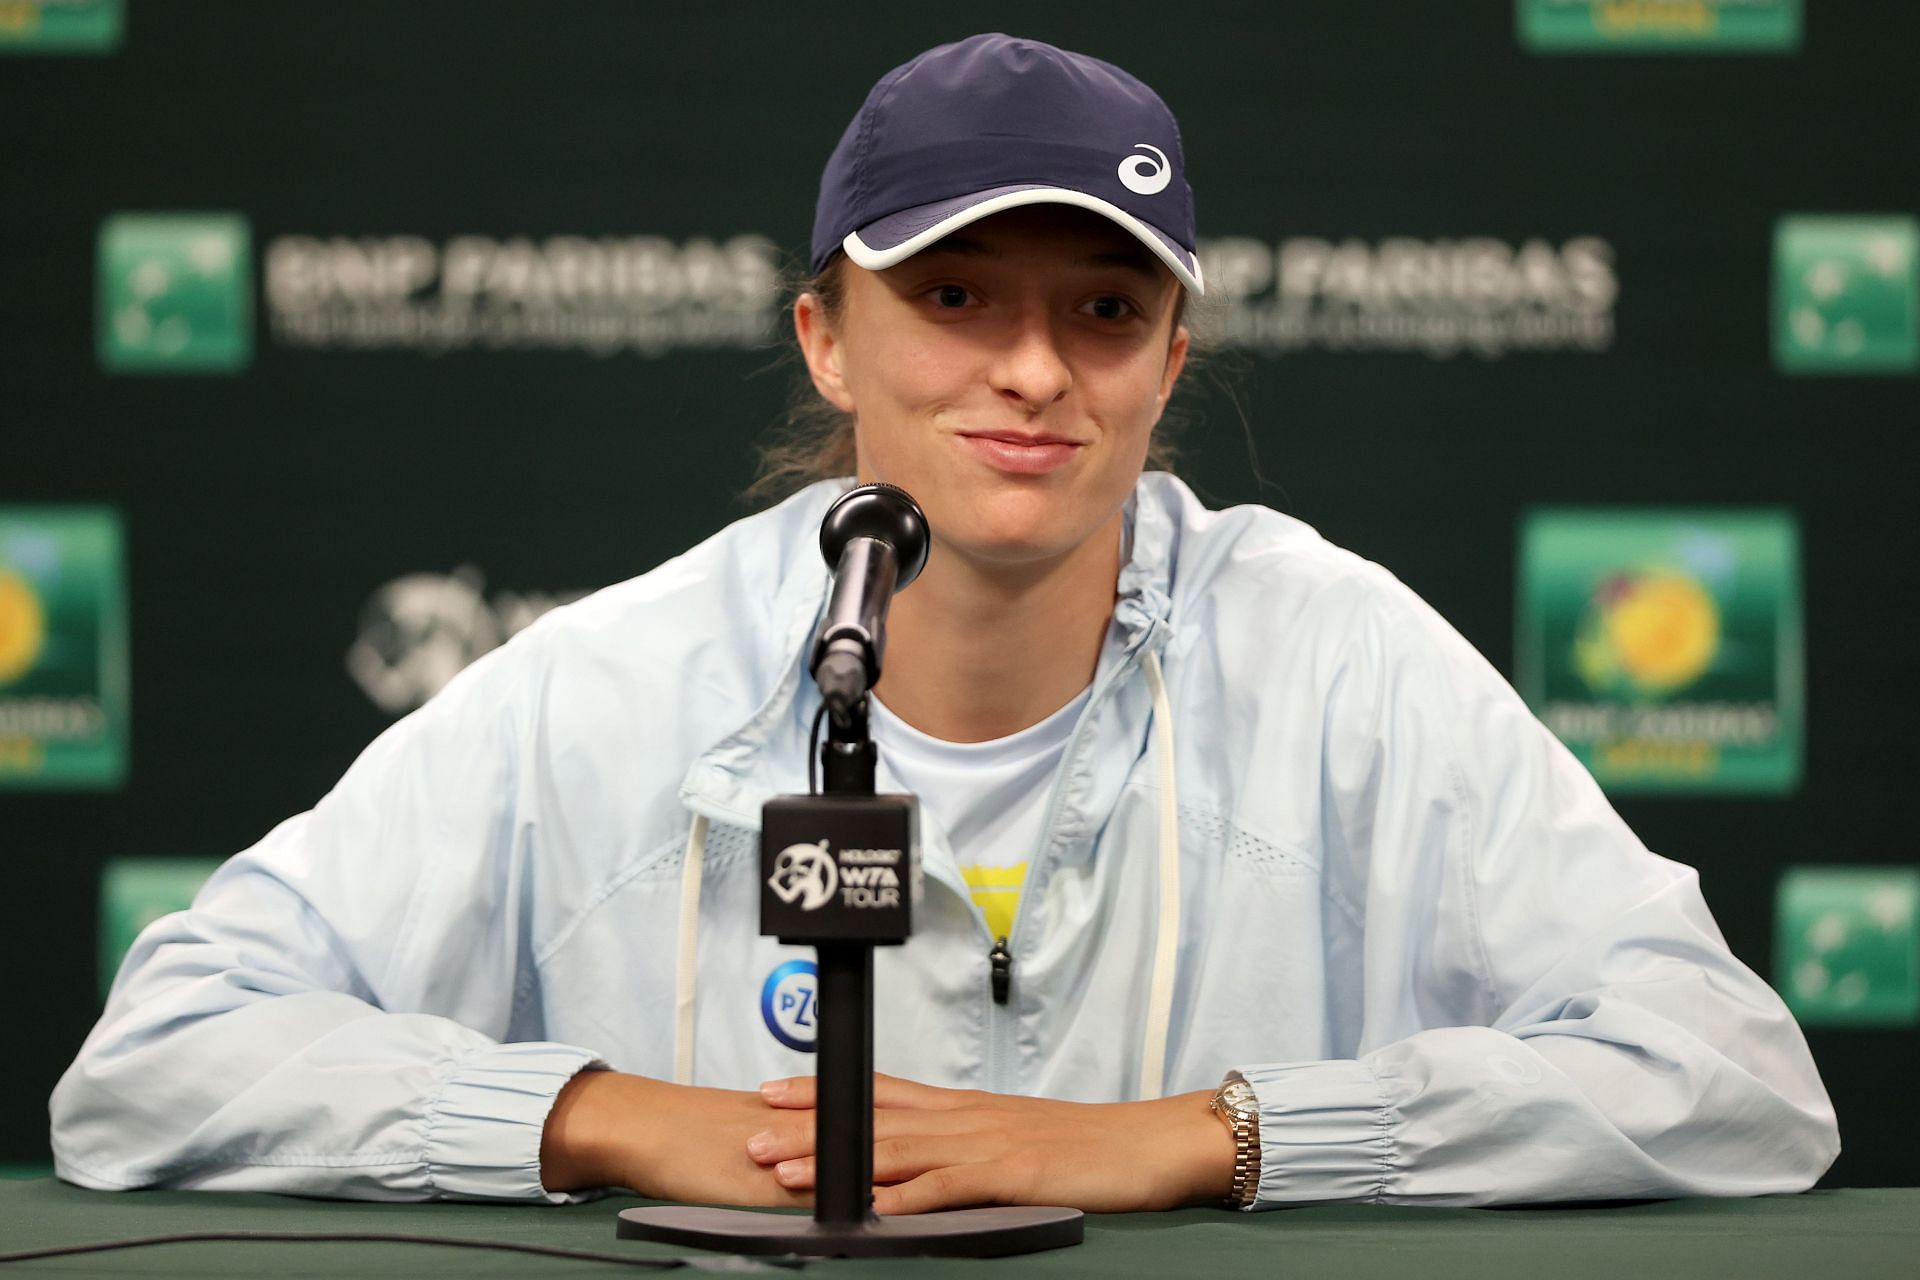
(342, 340)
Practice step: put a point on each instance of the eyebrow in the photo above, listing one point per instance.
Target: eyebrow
(1134, 257)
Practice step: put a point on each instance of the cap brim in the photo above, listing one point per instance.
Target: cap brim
(898, 236)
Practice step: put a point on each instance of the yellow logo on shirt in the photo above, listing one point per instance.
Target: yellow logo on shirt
(996, 891)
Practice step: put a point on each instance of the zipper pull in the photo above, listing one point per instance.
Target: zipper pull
(1002, 961)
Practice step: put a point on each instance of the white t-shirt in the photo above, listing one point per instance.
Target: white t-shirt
(990, 798)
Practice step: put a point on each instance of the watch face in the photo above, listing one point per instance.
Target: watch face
(1238, 1100)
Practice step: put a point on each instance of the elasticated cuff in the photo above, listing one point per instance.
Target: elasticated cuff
(484, 1127)
(1326, 1132)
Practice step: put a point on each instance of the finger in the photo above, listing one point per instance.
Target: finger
(951, 1187)
(795, 1092)
(792, 1133)
(905, 1158)
(790, 1093)
(795, 1175)
(892, 1091)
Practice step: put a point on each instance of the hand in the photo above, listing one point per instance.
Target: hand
(943, 1148)
(665, 1141)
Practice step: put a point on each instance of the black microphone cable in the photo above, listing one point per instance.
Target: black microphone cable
(736, 1263)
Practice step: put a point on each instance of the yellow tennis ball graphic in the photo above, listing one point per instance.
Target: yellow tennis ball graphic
(1663, 629)
(23, 626)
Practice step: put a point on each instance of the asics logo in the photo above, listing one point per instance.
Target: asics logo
(1146, 175)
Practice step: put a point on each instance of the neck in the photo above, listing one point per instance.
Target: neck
(981, 651)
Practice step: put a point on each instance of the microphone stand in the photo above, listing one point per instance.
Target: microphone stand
(847, 816)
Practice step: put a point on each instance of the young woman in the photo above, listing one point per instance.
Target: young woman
(1247, 879)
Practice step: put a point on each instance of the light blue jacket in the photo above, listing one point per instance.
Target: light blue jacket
(1405, 913)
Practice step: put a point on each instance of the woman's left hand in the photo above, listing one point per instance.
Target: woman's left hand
(945, 1148)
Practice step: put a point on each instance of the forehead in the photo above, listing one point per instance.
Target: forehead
(1070, 236)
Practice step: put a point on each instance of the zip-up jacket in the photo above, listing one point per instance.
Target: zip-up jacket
(1302, 831)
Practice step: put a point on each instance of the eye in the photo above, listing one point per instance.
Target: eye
(950, 296)
(1109, 306)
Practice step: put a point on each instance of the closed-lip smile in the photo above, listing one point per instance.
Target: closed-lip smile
(1021, 452)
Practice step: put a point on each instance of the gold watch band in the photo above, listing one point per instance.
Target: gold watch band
(1237, 1105)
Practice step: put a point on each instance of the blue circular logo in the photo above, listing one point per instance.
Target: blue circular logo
(790, 1004)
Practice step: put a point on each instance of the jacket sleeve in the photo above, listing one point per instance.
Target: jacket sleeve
(336, 1013)
(1550, 1011)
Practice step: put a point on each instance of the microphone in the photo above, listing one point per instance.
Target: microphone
(875, 538)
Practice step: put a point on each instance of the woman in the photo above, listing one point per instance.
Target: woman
(1247, 878)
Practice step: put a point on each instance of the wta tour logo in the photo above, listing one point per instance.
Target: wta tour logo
(175, 293)
(1651, 26)
(63, 648)
(1847, 946)
(1664, 648)
(1846, 295)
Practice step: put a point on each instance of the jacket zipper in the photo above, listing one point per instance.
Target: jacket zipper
(1000, 956)
(1001, 961)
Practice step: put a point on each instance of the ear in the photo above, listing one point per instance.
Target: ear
(820, 346)
(1176, 361)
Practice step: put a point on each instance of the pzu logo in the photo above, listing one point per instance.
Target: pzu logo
(790, 1004)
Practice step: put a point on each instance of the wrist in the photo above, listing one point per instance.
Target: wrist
(1198, 1148)
(589, 1136)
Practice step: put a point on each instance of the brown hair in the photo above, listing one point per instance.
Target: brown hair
(816, 440)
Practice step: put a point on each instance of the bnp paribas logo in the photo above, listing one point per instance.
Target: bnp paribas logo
(61, 26)
(1654, 26)
(1664, 647)
(1847, 945)
(1846, 294)
(175, 293)
(63, 648)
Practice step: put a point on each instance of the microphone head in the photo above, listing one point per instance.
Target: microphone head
(883, 511)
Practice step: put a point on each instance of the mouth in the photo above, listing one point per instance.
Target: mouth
(1021, 452)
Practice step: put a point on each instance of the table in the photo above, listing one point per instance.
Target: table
(1854, 1234)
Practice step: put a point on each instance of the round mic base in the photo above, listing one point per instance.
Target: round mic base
(958, 1233)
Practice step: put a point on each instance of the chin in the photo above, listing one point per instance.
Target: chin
(1013, 529)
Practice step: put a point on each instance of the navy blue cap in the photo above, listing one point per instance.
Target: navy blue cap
(991, 123)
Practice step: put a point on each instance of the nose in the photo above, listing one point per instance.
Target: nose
(1030, 371)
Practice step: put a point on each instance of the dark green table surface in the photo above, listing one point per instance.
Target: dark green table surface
(1824, 1235)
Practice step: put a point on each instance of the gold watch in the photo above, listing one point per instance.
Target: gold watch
(1236, 1104)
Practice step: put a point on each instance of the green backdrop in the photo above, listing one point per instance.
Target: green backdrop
(371, 330)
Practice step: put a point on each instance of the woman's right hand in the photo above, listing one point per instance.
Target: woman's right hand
(665, 1141)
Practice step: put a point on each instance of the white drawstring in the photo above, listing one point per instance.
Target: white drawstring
(1166, 930)
(689, 951)
(1166, 935)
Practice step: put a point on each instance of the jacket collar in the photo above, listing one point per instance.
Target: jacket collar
(766, 755)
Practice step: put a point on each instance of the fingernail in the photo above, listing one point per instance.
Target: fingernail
(773, 1088)
(760, 1143)
(787, 1169)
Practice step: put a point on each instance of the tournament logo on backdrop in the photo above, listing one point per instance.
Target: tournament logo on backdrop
(175, 293)
(1847, 945)
(601, 295)
(61, 26)
(1437, 297)
(1663, 647)
(419, 631)
(1650, 26)
(790, 1004)
(134, 892)
(1846, 294)
(63, 648)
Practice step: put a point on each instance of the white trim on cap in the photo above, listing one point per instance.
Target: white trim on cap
(880, 259)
